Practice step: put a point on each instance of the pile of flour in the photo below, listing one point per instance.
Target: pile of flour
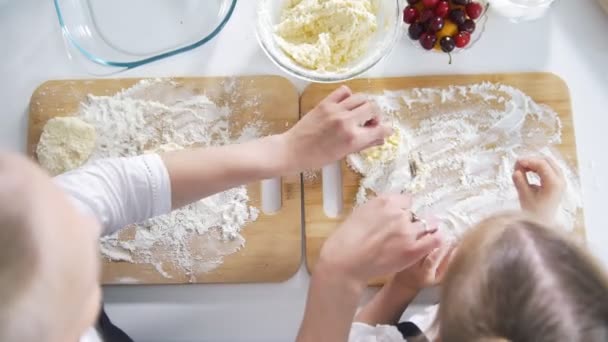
(158, 116)
(468, 139)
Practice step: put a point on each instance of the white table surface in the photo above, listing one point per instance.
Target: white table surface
(570, 42)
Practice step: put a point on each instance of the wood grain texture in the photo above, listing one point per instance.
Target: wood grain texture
(273, 243)
(544, 88)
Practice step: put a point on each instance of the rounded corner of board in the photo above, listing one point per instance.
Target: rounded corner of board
(558, 79)
(41, 87)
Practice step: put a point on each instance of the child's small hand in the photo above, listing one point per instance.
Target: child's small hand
(544, 199)
(427, 272)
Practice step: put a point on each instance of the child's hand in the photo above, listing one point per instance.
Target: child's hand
(427, 272)
(340, 124)
(544, 199)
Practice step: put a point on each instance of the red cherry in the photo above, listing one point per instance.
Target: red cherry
(436, 24)
(428, 41)
(410, 15)
(430, 3)
(474, 10)
(442, 9)
(426, 15)
(462, 39)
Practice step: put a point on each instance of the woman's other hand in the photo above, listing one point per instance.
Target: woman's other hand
(378, 239)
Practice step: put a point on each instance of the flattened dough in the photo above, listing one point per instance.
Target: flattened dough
(65, 144)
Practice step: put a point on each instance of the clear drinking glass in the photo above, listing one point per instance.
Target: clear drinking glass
(521, 10)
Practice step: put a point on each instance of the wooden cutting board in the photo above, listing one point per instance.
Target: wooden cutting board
(272, 252)
(544, 88)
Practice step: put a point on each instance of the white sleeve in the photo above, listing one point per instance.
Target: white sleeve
(361, 332)
(120, 191)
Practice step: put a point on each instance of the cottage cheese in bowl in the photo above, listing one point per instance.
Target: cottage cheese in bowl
(327, 40)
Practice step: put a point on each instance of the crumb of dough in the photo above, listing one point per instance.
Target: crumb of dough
(65, 144)
(385, 152)
(325, 35)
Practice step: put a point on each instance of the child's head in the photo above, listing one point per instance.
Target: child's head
(49, 264)
(514, 279)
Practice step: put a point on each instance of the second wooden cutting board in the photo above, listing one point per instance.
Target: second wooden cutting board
(544, 88)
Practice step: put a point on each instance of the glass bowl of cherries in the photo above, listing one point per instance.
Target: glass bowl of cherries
(447, 26)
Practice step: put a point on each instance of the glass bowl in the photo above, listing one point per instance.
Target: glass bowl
(130, 33)
(521, 10)
(480, 27)
(381, 43)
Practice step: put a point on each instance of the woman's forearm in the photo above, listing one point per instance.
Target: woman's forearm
(387, 306)
(200, 172)
(330, 131)
(330, 308)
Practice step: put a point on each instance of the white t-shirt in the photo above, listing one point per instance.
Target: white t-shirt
(361, 332)
(119, 192)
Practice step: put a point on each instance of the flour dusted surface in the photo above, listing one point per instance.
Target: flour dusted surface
(469, 138)
(157, 116)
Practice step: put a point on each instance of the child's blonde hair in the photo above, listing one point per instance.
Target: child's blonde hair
(515, 279)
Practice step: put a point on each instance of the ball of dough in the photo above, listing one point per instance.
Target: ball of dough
(65, 144)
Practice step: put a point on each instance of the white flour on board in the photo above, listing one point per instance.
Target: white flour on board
(469, 138)
(158, 116)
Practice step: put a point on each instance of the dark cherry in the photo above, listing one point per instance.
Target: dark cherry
(413, 2)
(461, 2)
(468, 26)
(415, 30)
(447, 44)
(457, 16)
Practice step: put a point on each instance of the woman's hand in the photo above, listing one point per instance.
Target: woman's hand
(340, 124)
(427, 272)
(379, 238)
(542, 200)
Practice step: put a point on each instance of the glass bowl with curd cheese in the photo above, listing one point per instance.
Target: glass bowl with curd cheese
(327, 41)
